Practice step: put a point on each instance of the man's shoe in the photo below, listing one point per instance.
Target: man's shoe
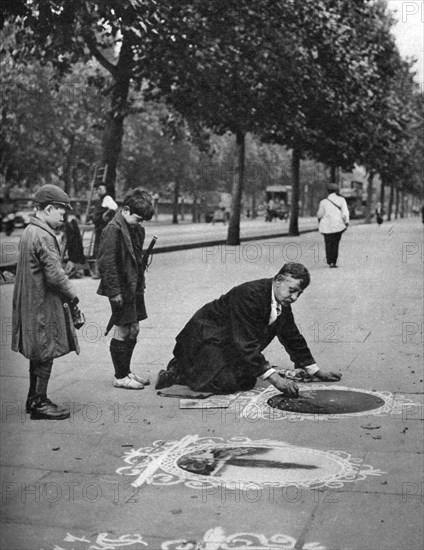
(46, 410)
(165, 379)
(144, 381)
(127, 383)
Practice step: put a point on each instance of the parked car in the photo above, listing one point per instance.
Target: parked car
(16, 220)
(23, 217)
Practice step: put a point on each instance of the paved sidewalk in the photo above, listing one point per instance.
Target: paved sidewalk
(121, 472)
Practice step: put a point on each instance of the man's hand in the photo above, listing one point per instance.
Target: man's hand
(286, 387)
(117, 300)
(327, 376)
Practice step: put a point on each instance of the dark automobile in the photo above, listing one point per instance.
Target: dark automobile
(23, 217)
(16, 220)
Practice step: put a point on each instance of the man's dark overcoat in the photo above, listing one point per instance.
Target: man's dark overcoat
(238, 323)
(121, 270)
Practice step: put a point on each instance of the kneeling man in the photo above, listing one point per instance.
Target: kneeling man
(220, 348)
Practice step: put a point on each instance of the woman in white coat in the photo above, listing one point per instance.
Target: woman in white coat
(333, 218)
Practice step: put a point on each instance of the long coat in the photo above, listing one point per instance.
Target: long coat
(42, 327)
(121, 270)
(239, 323)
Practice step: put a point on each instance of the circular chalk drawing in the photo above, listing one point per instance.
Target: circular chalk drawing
(328, 402)
(324, 402)
(259, 464)
(242, 464)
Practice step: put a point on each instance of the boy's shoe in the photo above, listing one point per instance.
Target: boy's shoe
(127, 383)
(144, 381)
(46, 410)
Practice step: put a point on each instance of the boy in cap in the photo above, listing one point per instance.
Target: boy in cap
(121, 270)
(42, 327)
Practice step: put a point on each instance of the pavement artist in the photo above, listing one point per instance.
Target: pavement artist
(122, 271)
(220, 348)
(43, 301)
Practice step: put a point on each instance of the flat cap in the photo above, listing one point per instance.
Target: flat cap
(52, 194)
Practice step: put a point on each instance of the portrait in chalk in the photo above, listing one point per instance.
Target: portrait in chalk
(242, 463)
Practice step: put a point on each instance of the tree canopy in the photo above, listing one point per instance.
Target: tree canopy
(323, 78)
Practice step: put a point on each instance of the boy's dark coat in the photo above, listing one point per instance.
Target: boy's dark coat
(120, 268)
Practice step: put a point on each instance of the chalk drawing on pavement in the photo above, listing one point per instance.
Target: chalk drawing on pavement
(241, 464)
(257, 404)
(102, 541)
(214, 539)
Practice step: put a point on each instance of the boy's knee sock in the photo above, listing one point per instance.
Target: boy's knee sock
(119, 354)
(130, 345)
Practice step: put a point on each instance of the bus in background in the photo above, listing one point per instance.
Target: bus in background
(356, 201)
(278, 200)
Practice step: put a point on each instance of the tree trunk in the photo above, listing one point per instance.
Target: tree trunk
(334, 174)
(369, 197)
(382, 189)
(67, 174)
(114, 129)
(8, 184)
(294, 214)
(402, 204)
(391, 200)
(254, 213)
(175, 206)
(397, 204)
(233, 236)
(182, 212)
(194, 209)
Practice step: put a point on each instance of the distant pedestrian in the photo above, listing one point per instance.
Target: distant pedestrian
(42, 301)
(379, 214)
(156, 197)
(220, 348)
(121, 270)
(270, 210)
(219, 215)
(333, 218)
(73, 249)
(103, 211)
